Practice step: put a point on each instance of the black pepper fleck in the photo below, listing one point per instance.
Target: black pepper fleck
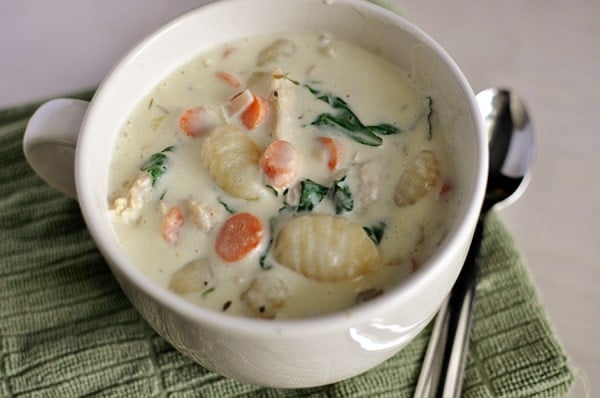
(226, 305)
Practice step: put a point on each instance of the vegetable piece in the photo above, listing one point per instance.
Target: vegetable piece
(171, 225)
(239, 235)
(197, 121)
(311, 195)
(347, 122)
(376, 232)
(418, 179)
(342, 197)
(256, 113)
(232, 160)
(266, 295)
(192, 277)
(325, 248)
(229, 78)
(334, 150)
(280, 163)
(156, 165)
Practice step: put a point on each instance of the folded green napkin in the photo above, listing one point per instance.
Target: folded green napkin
(67, 330)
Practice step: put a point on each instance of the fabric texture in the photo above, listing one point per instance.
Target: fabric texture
(67, 330)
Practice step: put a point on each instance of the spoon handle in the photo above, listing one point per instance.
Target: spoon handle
(442, 372)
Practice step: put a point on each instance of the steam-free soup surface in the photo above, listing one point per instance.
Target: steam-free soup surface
(283, 176)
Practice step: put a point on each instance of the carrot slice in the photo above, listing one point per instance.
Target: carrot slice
(256, 113)
(335, 152)
(239, 235)
(229, 78)
(280, 163)
(195, 122)
(172, 224)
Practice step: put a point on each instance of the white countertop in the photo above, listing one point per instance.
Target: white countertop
(548, 50)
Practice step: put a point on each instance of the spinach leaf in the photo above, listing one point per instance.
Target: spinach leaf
(346, 121)
(376, 231)
(264, 265)
(311, 195)
(226, 206)
(156, 165)
(342, 197)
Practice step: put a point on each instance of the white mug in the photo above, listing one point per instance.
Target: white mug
(69, 143)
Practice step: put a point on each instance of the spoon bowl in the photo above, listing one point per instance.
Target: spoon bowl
(511, 148)
(510, 137)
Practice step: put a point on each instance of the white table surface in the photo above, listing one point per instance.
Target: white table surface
(547, 49)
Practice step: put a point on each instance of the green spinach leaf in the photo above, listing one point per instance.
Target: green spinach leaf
(342, 197)
(156, 165)
(345, 120)
(376, 231)
(311, 194)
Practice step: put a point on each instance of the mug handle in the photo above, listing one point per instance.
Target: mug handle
(50, 140)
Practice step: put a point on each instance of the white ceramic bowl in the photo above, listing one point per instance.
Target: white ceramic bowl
(279, 353)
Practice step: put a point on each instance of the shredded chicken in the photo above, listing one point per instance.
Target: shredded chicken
(365, 179)
(203, 216)
(282, 97)
(130, 206)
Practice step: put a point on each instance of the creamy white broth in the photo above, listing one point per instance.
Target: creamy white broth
(376, 91)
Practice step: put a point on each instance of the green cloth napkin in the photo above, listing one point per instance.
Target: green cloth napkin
(67, 330)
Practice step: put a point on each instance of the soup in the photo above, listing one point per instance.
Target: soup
(283, 176)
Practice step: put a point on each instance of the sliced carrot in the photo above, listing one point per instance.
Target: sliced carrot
(239, 235)
(280, 163)
(335, 152)
(229, 78)
(195, 122)
(256, 113)
(172, 224)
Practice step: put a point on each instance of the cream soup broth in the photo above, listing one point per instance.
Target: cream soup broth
(355, 194)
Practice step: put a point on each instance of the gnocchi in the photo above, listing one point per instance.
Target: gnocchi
(326, 248)
(232, 160)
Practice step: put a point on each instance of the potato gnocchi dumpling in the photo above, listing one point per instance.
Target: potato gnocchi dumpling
(192, 277)
(266, 295)
(326, 248)
(418, 179)
(232, 160)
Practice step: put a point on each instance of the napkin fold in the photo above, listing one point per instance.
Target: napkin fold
(67, 330)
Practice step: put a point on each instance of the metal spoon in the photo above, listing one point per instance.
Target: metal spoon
(511, 151)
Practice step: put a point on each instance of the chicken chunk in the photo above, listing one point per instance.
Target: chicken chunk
(203, 216)
(130, 206)
(282, 97)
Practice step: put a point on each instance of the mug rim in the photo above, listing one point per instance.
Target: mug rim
(460, 231)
